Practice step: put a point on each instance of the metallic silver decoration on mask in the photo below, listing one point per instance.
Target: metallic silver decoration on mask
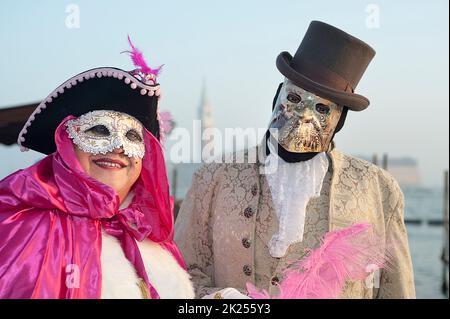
(100, 132)
(304, 122)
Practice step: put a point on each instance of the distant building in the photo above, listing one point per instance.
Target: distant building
(180, 174)
(404, 169)
(12, 120)
(205, 115)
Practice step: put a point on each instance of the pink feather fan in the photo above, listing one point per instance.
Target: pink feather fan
(347, 254)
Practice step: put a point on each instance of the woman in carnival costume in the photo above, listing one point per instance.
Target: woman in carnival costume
(93, 219)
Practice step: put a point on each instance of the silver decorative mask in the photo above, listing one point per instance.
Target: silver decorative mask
(303, 122)
(100, 132)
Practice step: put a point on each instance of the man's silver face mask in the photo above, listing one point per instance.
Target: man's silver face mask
(303, 122)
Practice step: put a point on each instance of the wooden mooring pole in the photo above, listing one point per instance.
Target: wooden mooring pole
(445, 248)
(176, 203)
(375, 159)
(385, 161)
(174, 182)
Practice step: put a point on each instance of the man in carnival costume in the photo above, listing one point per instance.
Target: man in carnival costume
(247, 223)
(93, 219)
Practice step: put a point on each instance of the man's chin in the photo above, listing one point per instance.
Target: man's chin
(304, 147)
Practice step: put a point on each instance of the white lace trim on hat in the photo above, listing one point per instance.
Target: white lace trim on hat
(132, 81)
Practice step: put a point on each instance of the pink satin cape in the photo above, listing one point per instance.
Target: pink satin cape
(52, 215)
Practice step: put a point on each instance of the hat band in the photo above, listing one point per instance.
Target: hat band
(322, 75)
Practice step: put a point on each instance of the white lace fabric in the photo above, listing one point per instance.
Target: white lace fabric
(292, 185)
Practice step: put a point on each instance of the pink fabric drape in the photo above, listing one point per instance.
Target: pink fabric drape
(51, 216)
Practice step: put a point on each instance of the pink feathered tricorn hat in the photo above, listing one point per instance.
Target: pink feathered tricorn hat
(133, 92)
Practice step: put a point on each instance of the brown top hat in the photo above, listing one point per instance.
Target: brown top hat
(329, 63)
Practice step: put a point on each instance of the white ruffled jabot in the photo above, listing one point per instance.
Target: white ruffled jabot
(292, 185)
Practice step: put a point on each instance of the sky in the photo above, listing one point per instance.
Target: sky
(232, 47)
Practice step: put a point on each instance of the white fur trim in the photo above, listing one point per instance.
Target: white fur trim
(165, 274)
(119, 278)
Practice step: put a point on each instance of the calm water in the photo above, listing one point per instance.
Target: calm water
(425, 241)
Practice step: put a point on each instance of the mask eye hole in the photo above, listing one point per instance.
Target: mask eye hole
(294, 98)
(133, 136)
(322, 108)
(98, 130)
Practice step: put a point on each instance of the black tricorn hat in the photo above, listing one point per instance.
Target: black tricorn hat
(329, 62)
(104, 88)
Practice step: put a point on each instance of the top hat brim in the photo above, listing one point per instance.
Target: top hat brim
(353, 101)
(97, 89)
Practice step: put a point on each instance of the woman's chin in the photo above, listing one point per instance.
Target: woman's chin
(111, 180)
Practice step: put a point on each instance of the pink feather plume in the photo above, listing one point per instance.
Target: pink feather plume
(166, 124)
(346, 254)
(139, 61)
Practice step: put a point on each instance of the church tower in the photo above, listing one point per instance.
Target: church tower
(205, 115)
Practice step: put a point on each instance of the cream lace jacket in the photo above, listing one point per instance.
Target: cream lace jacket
(227, 219)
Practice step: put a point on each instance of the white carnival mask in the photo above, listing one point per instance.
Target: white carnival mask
(100, 132)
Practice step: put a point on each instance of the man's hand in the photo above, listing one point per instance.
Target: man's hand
(227, 293)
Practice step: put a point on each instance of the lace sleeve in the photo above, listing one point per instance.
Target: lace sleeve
(397, 282)
(193, 230)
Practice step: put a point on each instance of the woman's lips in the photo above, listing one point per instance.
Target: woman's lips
(109, 163)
